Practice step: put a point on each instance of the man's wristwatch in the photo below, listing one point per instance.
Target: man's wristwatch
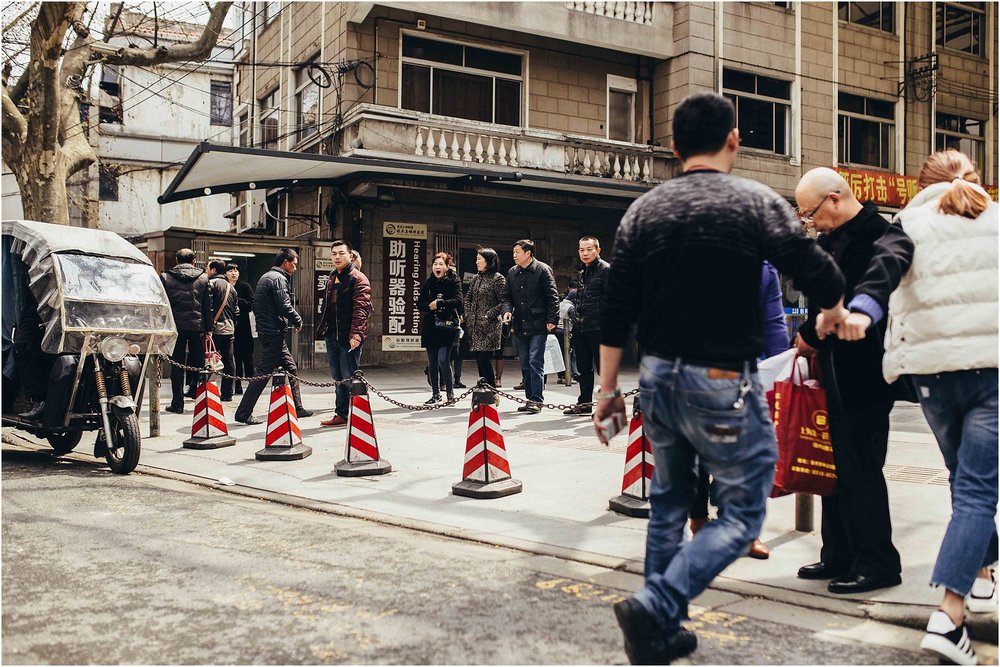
(605, 395)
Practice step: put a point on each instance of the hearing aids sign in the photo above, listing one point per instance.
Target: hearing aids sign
(404, 249)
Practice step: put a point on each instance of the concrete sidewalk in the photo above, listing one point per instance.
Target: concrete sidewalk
(568, 478)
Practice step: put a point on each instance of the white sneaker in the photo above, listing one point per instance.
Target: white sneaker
(943, 639)
(982, 598)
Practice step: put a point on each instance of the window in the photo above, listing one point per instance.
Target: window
(111, 84)
(270, 11)
(621, 108)
(269, 113)
(866, 131)
(222, 103)
(110, 80)
(449, 79)
(763, 108)
(961, 27)
(108, 189)
(306, 104)
(961, 133)
(878, 15)
(244, 130)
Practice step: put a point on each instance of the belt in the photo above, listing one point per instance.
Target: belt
(727, 365)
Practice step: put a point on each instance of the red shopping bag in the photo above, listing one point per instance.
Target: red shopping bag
(805, 451)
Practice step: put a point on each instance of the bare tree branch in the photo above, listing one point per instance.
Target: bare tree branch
(17, 19)
(197, 50)
(15, 126)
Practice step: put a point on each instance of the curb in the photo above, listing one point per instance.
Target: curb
(982, 627)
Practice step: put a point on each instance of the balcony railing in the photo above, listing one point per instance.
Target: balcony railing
(634, 12)
(407, 133)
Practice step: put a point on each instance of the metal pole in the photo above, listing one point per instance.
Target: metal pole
(154, 399)
(568, 373)
(803, 512)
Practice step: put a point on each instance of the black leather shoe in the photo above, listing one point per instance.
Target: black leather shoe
(821, 570)
(251, 421)
(645, 643)
(459, 385)
(176, 409)
(436, 398)
(862, 583)
(35, 412)
(302, 412)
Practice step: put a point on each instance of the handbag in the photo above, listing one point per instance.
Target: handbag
(213, 359)
(805, 452)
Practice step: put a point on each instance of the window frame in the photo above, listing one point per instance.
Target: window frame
(244, 129)
(268, 15)
(270, 107)
(462, 69)
(301, 84)
(940, 26)
(225, 122)
(866, 116)
(882, 8)
(980, 140)
(760, 97)
(620, 84)
(107, 183)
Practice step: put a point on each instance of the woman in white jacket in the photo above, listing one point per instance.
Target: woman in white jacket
(943, 334)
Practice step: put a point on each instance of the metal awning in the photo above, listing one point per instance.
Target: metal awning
(215, 169)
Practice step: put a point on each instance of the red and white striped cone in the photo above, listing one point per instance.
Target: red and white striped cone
(209, 430)
(486, 472)
(634, 500)
(361, 456)
(283, 441)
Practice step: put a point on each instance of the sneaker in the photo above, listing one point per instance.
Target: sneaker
(302, 412)
(176, 409)
(645, 640)
(436, 398)
(981, 599)
(336, 421)
(519, 386)
(578, 410)
(250, 421)
(946, 641)
(533, 408)
(525, 408)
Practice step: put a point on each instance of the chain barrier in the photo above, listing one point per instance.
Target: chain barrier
(399, 404)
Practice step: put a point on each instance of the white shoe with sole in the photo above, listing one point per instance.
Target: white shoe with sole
(982, 598)
(944, 640)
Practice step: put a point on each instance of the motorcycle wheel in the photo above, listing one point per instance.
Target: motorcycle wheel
(65, 442)
(125, 445)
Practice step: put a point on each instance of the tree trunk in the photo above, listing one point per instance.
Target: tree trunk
(43, 195)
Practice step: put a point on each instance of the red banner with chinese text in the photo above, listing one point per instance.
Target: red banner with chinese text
(885, 189)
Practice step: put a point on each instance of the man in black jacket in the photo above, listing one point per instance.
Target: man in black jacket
(272, 305)
(587, 325)
(857, 554)
(185, 285)
(219, 311)
(533, 304)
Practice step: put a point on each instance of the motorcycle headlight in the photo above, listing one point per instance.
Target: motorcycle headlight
(113, 349)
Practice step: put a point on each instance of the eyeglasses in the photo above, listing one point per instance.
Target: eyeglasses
(808, 218)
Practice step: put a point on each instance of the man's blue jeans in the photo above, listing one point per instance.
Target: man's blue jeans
(531, 354)
(689, 416)
(343, 362)
(961, 409)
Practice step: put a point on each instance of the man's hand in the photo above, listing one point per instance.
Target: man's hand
(551, 327)
(804, 348)
(354, 343)
(830, 318)
(854, 327)
(507, 317)
(208, 334)
(298, 328)
(433, 305)
(603, 410)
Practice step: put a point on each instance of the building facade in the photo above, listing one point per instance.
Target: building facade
(465, 124)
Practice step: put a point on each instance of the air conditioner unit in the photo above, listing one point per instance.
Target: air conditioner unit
(253, 215)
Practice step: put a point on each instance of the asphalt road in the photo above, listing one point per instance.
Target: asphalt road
(104, 569)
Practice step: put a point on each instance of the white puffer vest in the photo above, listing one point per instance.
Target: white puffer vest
(943, 316)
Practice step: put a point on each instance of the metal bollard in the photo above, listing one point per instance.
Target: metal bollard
(803, 512)
(567, 357)
(154, 399)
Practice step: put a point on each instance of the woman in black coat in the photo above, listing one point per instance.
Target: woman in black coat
(441, 305)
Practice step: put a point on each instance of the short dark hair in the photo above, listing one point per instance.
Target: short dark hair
(526, 245)
(597, 243)
(185, 256)
(285, 255)
(492, 259)
(217, 265)
(231, 266)
(702, 123)
(342, 242)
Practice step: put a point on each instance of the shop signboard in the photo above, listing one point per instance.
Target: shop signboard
(404, 266)
(886, 189)
(323, 269)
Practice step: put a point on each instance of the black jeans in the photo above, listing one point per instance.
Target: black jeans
(856, 529)
(439, 368)
(274, 354)
(484, 362)
(243, 355)
(224, 346)
(588, 358)
(189, 350)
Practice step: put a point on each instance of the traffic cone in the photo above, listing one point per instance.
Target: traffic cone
(208, 430)
(634, 500)
(283, 441)
(361, 455)
(486, 473)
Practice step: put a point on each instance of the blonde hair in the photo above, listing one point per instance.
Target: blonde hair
(963, 198)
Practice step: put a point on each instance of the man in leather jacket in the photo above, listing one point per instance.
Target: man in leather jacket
(587, 325)
(185, 285)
